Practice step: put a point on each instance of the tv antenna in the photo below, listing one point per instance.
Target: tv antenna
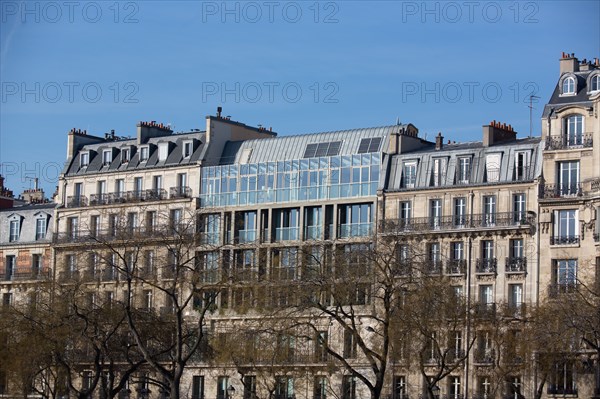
(531, 97)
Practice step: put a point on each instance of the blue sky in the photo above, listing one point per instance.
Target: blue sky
(296, 66)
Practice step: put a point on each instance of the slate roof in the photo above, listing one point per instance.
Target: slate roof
(174, 157)
(582, 97)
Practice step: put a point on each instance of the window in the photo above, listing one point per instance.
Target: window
(460, 211)
(125, 155)
(320, 387)
(132, 222)
(369, 145)
(595, 83)
(435, 213)
(485, 388)
(157, 183)
(40, 228)
(454, 388)
(457, 250)
(322, 149)
(36, 264)
(321, 347)
(515, 296)
(568, 178)
(562, 381)
(144, 151)
(492, 167)
(86, 380)
(198, 387)
(521, 165)
(487, 249)
(284, 387)
(565, 227)
(349, 344)
(101, 189)
(516, 261)
(113, 224)
(151, 221)
(438, 175)
(405, 213)
(354, 220)
(464, 170)
(7, 299)
(138, 186)
(565, 274)
(84, 159)
(147, 299)
(519, 209)
(574, 130)
(11, 266)
(119, 188)
(409, 174)
(249, 387)
(568, 85)
(348, 387)
(95, 226)
(486, 294)
(399, 387)
(188, 148)
(434, 257)
(163, 151)
(489, 210)
(513, 387)
(73, 227)
(176, 220)
(106, 157)
(15, 229)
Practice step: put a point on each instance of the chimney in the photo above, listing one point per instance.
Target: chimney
(439, 141)
(568, 63)
(147, 130)
(219, 110)
(497, 132)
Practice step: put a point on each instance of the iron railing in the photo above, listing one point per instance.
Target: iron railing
(565, 142)
(122, 197)
(560, 190)
(486, 265)
(516, 264)
(456, 266)
(564, 240)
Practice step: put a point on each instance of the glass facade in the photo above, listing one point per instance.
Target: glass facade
(314, 179)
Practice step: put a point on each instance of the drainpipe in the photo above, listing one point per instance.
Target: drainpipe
(469, 272)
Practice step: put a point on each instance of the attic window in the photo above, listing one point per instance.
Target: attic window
(125, 155)
(163, 151)
(245, 156)
(568, 85)
(106, 157)
(322, 149)
(370, 144)
(84, 159)
(144, 151)
(595, 83)
(188, 148)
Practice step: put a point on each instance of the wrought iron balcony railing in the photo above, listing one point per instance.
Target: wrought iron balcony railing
(565, 142)
(485, 310)
(564, 240)
(549, 191)
(454, 223)
(516, 264)
(180, 192)
(122, 197)
(554, 290)
(486, 266)
(456, 266)
(484, 355)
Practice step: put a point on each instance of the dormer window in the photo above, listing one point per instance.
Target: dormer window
(163, 151)
(14, 230)
(125, 155)
(595, 83)
(188, 148)
(106, 157)
(409, 174)
(144, 151)
(568, 85)
(84, 159)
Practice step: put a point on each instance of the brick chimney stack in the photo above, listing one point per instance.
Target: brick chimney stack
(568, 63)
(439, 141)
(497, 132)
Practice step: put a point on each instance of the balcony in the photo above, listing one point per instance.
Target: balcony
(69, 276)
(456, 223)
(210, 238)
(246, 236)
(287, 233)
(25, 273)
(486, 266)
(123, 197)
(313, 232)
(560, 391)
(517, 264)
(485, 310)
(555, 290)
(432, 266)
(180, 192)
(76, 201)
(549, 191)
(348, 230)
(456, 266)
(564, 240)
(516, 310)
(565, 142)
(484, 355)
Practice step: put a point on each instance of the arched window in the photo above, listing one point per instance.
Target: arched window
(574, 130)
(595, 83)
(568, 85)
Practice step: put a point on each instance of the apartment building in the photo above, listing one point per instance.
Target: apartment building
(569, 200)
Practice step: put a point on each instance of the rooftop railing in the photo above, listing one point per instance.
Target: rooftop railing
(122, 197)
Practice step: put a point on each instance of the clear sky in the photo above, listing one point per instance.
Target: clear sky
(296, 66)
